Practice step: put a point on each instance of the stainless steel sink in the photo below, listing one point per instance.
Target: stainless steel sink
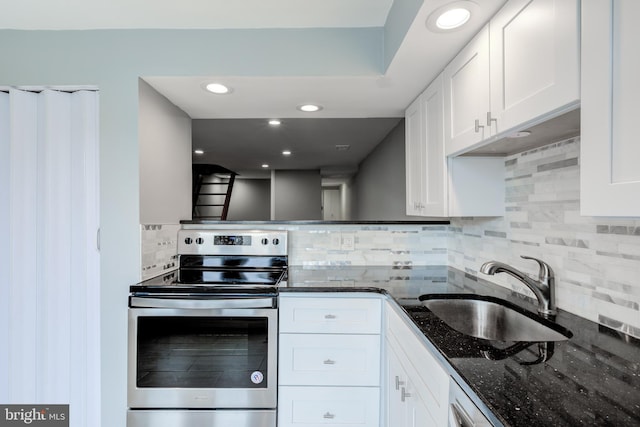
(492, 318)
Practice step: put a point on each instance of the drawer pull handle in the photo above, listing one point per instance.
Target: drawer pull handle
(478, 126)
(329, 416)
(329, 362)
(330, 316)
(490, 119)
(404, 394)
(398, 383)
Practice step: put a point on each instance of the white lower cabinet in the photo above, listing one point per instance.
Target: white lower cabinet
(329, 360)
(329, 406)
(406, 406)
(329, 378)
(417, 386)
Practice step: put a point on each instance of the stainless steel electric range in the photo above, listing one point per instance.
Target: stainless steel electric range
(203, 339)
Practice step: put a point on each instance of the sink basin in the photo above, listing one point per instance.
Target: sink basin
(492, 318)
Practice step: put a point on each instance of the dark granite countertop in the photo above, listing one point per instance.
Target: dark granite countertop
(591, 379)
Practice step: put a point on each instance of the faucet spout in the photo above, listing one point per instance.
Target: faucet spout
(543, 288)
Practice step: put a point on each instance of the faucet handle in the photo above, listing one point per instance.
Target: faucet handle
(545, 272)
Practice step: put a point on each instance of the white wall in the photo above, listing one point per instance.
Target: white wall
(380, 182)
(297, 195)
(250, 200)
(165, 159)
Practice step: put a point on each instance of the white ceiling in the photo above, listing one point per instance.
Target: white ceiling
(245, 144)
(191, 14)
(421, 56)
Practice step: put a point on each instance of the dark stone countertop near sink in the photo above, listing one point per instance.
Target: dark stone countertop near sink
(592, 380)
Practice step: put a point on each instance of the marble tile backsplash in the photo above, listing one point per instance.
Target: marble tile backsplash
(159, 247)
(399, 246)
(596, 260)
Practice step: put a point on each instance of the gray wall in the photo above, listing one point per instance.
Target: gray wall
(250, 200)
(297, 195)
(165, 159)
(380, 182)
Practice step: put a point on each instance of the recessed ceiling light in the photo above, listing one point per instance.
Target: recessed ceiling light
(452, 16)
(274, 122)
(309, 108)
(286, 153)
(264, 165)
(218, 88)
(198, 151)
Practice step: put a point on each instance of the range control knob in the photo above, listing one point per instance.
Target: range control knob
(188, 240)
(199, 240)
(265, 241)
(276, 241)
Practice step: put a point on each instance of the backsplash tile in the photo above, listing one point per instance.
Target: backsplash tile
(159, 246)
(596, 260)
(388, 245)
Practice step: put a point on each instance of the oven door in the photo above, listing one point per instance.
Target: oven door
(202, 357)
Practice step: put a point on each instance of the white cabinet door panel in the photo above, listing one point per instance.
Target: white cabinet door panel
(426, 163)
(329, 359)
(329, 406)
(416, 171)
(466, 95)
(534, 48)
(610, 153)
(435, 181)
(429, 381)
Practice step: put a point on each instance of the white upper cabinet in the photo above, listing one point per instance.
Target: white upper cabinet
(610, 176)
(466, 95)
(415, 159)
(534, 61)
(424, 150)
(520, 70)
(437, 187)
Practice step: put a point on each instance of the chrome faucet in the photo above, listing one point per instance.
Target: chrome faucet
(543, 288)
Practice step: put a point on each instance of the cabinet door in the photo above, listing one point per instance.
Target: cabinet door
(396, 378)
(426, 389)
(610, 176)
(534, 48)
(405, 406)
(466, 95)
(426, 162)
(436, 183)
(415, 158)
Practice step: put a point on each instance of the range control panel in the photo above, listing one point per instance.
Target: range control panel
(232, 242)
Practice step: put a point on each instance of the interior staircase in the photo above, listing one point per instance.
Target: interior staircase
(211, 191)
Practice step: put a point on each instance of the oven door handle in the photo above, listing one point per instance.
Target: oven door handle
(200, 303)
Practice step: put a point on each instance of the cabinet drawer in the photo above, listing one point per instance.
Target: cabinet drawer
(329, 406)
(330, 315)
(319, 359)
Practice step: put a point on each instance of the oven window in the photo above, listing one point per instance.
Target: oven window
(202, 352)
